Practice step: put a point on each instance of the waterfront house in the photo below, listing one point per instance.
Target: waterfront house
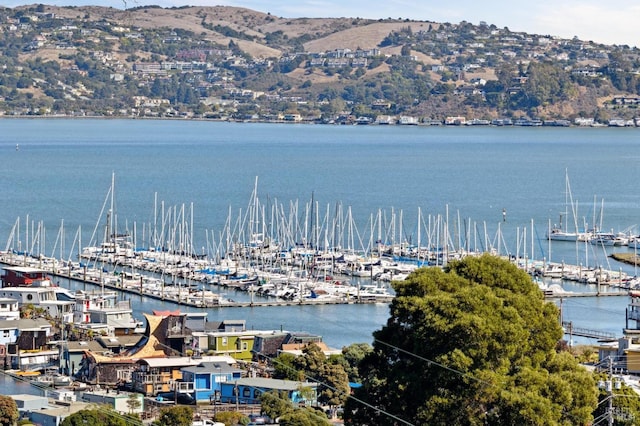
(156, 375)
(269, 345)
(9, 309)
(73, 352)
(105, 370)
(632, 358)
(117, 400)
(248, 390)
(54, 413)
(297, 349)
(236, 344)
(624, 353)
(41, 298)
(205, 380)
(43, 411)
(118, 344)
(196, 321)
(164, 336)
(93, 309)
(172, 331)
(35, 335)
(31, 286)
(25, 344)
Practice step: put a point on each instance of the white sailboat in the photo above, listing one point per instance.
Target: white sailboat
(560, 232)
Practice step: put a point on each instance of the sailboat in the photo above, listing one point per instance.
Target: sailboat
(560, 232)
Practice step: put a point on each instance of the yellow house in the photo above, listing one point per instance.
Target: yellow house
(236, 344)
(633, 361)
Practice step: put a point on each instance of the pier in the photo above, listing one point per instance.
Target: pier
(183, 297)
(586, 294)
(570, 330)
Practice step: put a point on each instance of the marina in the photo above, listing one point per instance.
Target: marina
(220, 211)
(205, 173)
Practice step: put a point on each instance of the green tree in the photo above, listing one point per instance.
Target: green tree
(351, 356)
(332, 379)
(133, 402)
(275, 404)
(231, 418)
(284, 367)
(334, 385)
(303, 417)
(471, 345)
(8, 411)
(95, 417)
(175, 416)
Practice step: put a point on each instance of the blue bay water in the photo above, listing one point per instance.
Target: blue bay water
(61, 173)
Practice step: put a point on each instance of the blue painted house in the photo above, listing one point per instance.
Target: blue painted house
(204, 381)
(248, 390)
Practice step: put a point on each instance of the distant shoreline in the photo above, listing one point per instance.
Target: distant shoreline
(433, 123)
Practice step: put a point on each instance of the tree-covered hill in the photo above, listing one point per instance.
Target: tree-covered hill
(234, 63)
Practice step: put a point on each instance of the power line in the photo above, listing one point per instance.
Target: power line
(430, 362)
(379, 410)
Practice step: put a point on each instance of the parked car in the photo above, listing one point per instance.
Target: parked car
(206, 422)
(259, 419)
(180, 398)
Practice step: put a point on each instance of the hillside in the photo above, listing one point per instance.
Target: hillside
(231, 62)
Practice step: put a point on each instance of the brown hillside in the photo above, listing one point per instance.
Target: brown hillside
(330, 33)
(305, 26)
(364, 37)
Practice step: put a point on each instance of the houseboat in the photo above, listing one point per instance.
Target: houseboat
(26, 276)
(9, 309)
(31, 286)
(104, 308)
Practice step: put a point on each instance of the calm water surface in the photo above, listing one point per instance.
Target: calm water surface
(58, 172)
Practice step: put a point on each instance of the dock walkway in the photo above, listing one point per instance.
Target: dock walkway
(204, 302)
(585, 332)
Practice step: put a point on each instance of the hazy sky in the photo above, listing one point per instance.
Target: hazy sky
(610, 22)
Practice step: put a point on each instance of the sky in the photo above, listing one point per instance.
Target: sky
(608, 22)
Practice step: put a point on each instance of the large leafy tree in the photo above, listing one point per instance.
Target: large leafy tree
(8, 411)
(278, 406)
(332, 379)
(175, 416)
(284, 367)
(351, 356)
(95, 417)
(304, 417)
(471, 345)
(274, 404)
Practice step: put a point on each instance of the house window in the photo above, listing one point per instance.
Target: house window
(257, 393)
(245, 346)
(5, 333)
(224, 341)
(246, 392)
(29, 296)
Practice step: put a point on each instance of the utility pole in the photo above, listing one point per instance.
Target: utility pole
(235, 391)
(609, 385)
(610, 391)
